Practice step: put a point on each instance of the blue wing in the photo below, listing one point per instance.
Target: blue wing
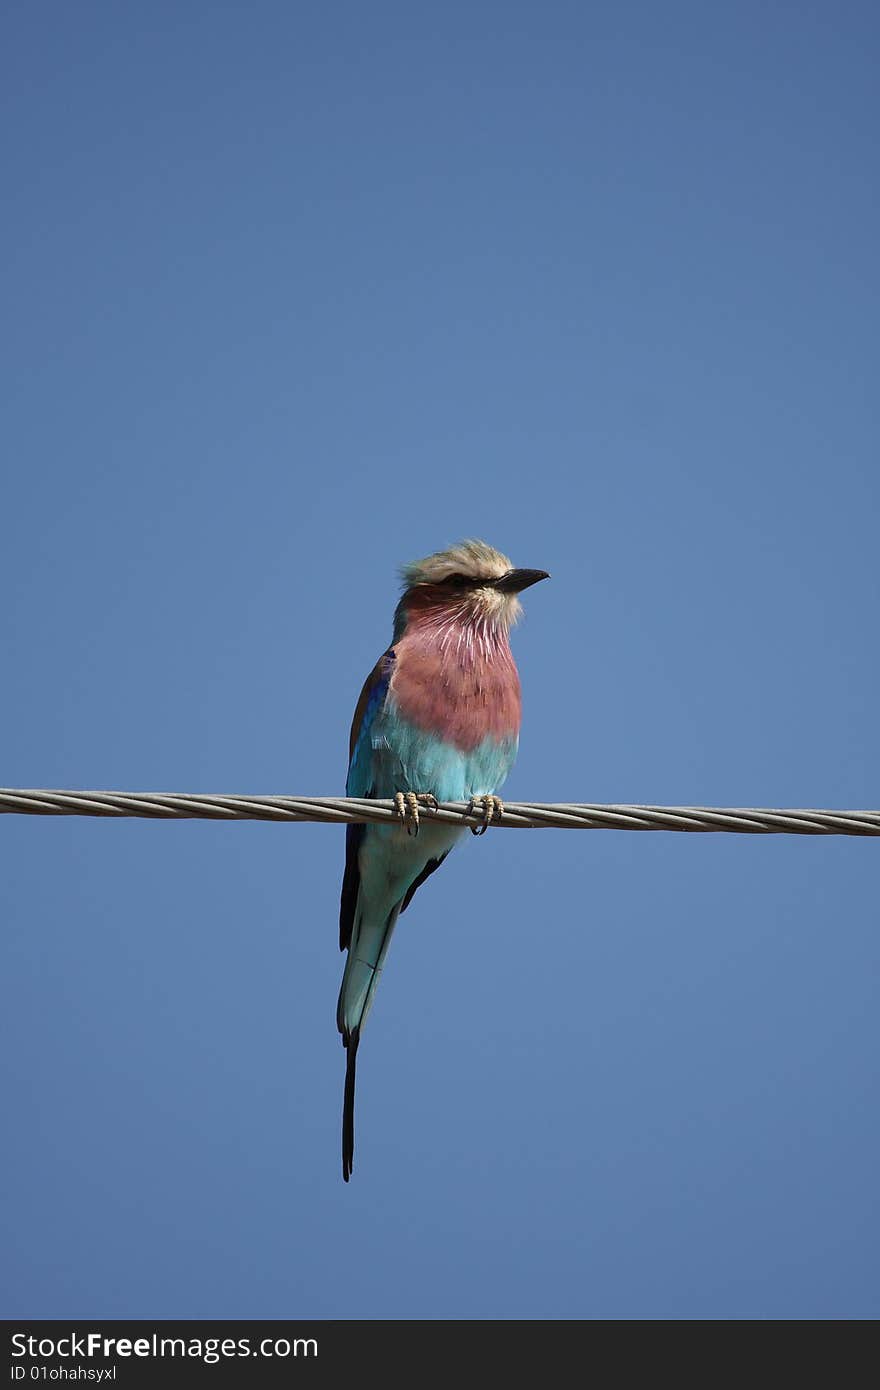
(360, 783)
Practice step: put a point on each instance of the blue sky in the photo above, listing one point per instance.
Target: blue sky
(296, 293)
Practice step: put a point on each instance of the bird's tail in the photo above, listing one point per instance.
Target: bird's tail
(370, 939)
(350, 1043)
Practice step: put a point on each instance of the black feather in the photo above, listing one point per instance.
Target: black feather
(351, 882)
(351, 1045)
(427, 871)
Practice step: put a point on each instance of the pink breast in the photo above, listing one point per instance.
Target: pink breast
(461, 693)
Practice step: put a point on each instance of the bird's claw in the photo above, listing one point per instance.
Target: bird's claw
(491, 808)
(407, 807)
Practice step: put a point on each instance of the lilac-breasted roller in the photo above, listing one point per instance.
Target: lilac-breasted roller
(438, 719)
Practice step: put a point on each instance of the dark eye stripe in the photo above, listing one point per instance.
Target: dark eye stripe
(469, 581)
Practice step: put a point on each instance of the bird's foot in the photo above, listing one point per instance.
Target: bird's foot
(407, 807)
(491, 808)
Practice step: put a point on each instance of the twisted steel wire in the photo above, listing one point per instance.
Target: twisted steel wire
(522, 815)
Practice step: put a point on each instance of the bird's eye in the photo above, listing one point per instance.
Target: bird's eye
(455, 581)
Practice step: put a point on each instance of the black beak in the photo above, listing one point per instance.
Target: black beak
(516, 580)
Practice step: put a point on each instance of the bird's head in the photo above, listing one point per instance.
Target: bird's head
(470, 581)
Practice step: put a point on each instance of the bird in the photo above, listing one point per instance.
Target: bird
(438, 720)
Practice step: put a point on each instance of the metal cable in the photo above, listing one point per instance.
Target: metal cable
(527, 815)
